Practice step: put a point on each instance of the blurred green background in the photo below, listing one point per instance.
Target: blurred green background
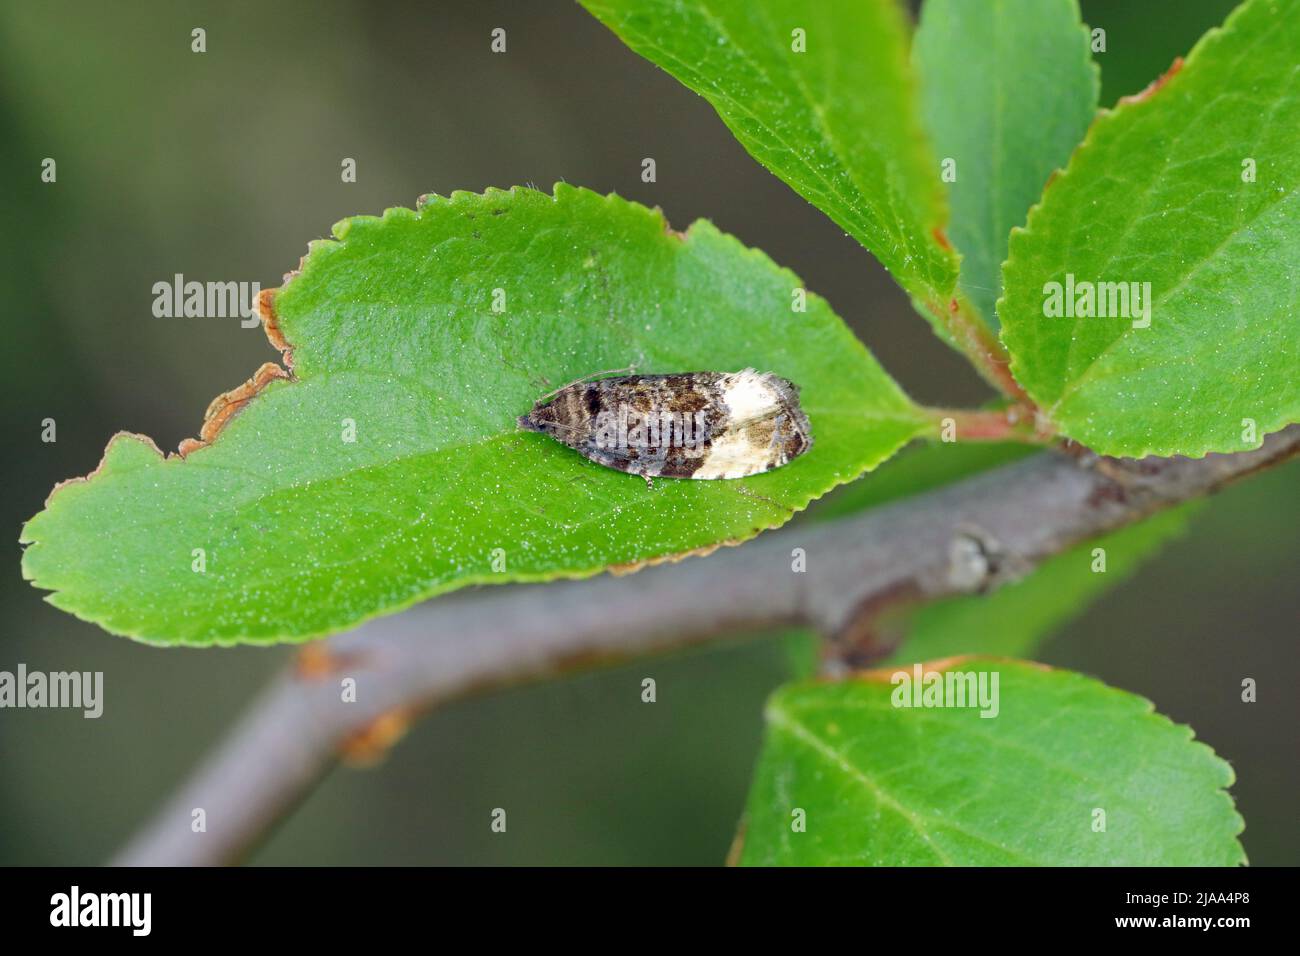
(221, 166)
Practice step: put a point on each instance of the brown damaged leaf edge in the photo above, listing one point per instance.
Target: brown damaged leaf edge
(882, 675)
(1140, 97)
(1156, 85)
(668, 226)
(229, 404)
(225, 406)
(631, 567)
(737, 849)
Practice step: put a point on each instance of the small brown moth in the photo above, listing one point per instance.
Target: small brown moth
(687, 425)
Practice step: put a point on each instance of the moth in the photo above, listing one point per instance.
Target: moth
(686, 425)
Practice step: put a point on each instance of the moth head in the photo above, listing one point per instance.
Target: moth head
(542, 418)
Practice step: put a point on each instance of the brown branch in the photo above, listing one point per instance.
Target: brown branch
(963, 538)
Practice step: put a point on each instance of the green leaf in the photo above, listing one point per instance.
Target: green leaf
(1016, 618)
(1008, 90)
(392, 328)
(838, 122)
(1158, 194)
(919, 786)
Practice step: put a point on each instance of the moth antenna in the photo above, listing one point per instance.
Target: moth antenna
(586, 378)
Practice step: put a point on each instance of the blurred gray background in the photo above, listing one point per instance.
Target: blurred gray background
(223, 165)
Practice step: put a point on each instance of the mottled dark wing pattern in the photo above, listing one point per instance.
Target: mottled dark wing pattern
(685, 425)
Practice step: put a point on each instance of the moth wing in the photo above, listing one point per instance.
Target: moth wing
(766, 427)
(615, 457)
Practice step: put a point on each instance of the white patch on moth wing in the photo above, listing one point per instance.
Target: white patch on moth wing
(750, 395)
(734, 455)
(752, 399)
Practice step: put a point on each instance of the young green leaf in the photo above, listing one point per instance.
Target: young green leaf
(1178, 219)
(1068, 772)
(1008, 90)
(390, 468)
(823, 96)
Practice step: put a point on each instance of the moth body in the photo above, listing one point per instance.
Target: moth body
(703, 425)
